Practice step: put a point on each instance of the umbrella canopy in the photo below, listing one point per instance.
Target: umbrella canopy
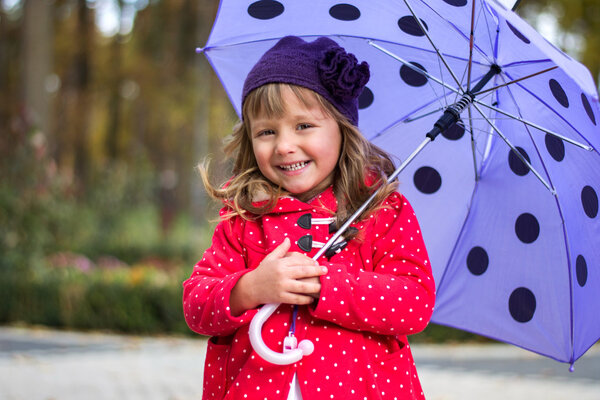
(508, 198)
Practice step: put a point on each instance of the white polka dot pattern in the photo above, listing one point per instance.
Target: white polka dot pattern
(378, 290)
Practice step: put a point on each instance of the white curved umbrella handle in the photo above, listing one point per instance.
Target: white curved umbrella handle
(304, 348)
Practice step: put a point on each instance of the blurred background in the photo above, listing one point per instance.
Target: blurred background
(105, 109)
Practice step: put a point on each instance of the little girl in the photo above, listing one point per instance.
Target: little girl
(301, 167)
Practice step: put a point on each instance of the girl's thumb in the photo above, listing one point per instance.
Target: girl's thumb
(282, 249)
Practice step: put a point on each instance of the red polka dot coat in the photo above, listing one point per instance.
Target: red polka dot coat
(378, 290)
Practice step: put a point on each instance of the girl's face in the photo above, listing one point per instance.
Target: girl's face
(298, 150)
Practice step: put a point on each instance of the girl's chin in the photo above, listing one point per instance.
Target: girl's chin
(307, 193)
(297, 192)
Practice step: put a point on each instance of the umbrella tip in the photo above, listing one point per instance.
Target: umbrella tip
(199, 50)
(572, 367)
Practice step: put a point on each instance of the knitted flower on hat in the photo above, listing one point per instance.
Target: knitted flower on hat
(342, 75)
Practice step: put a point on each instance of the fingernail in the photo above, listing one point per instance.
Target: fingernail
(324, 269)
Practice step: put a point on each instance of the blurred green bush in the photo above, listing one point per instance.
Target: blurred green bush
(96, 259)
(139, 299)
(44, 210)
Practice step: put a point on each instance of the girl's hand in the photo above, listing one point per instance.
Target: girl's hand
(282, 277)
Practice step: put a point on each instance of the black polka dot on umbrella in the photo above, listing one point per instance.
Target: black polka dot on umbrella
(555, 147)
(581, 270)
(522, 304)
(427, 180)
(516, 164)
(455, 131)
(588, 108)
(408, 24)
(265, 9)
(477, 260)
(344, 12)
(366, 98)
(589, 201)
(412, 77)
(527, 228)
(559, 93)
(456, 3)
(518, 33)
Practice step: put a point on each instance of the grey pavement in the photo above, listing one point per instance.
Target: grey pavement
(40, 364)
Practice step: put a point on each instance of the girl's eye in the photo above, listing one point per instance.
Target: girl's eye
(304, 126)
(266, 132)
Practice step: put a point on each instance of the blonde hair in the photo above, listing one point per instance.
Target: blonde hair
(362, 167)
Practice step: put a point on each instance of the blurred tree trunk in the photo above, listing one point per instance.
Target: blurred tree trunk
(76, 98)
(10, 58)
(37, 61)
(85, 32)
(116, 80)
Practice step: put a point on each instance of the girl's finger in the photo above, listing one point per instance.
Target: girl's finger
(299, 299)
(295, 260)
(307, 271)
(305, 288)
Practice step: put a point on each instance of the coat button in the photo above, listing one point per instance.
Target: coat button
(305, 243)
(305, 221)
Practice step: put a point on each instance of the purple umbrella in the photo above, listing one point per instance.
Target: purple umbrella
(508, 196)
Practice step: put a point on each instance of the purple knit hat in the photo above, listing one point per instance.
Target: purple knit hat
(322, 66)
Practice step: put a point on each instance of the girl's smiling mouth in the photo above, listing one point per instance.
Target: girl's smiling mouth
(294, 166)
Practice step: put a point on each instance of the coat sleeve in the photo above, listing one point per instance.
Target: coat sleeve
(206, 293)
(395, 295)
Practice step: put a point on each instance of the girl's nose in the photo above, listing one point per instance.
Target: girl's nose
(285, 144)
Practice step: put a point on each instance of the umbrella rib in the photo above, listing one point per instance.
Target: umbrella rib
(413, 47)
(413, 67)
(515, 80)
(473, 146)
(402, 119)
(444, 97)
(525, 62)
(536, 126)
(487, 25)
(439, 53)
(408, 120)
(458, 31)
(471, 40)
(589, 148)
(516, 152)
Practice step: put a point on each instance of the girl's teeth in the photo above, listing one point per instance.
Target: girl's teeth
(294, 167)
